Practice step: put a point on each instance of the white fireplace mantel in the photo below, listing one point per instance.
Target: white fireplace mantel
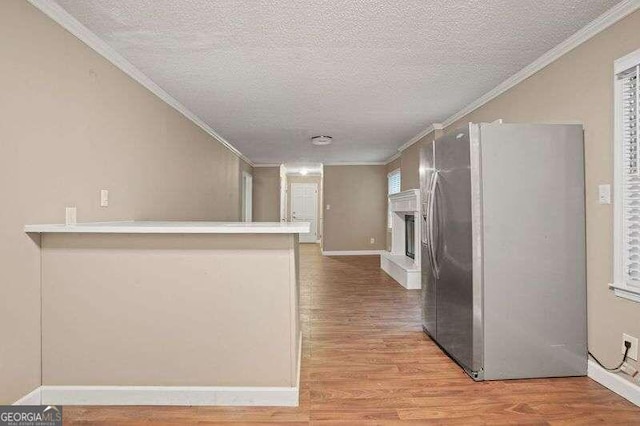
(396, 263)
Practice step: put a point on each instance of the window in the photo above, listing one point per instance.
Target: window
(393, 187)
(627, 178)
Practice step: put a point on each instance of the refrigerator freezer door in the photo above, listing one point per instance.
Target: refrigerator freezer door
(454, 248)
(428, 276)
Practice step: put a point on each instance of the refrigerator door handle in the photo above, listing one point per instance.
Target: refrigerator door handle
(425, 231)
(432, 202)
(425, 220)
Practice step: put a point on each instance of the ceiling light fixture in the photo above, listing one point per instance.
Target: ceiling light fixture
(321, 140)
(303, 172)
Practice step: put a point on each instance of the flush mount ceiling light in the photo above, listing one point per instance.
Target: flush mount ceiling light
(321, 140)
(304, 172)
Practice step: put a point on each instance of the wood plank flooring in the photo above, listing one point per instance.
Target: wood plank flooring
(366, 361)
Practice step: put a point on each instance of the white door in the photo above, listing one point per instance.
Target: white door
(304, 208)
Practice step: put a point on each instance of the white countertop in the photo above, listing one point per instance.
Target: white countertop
(193, 227)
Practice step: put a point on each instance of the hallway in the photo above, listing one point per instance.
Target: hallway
(365, 359)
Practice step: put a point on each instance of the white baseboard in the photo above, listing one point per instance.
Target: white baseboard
(170, 395)
(614, 382)
(352, 253)
(32, 398)
(167, 395)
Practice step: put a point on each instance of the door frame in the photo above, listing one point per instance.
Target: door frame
(247, 197)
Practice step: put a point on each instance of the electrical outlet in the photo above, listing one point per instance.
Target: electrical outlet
(633, 351)
(372, 241)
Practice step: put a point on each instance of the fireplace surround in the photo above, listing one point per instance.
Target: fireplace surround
(402, 262)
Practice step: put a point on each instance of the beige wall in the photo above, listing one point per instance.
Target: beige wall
(409, 167)
(170, 310)
(266, 194)
(409, 162)
(306, 179)
(72, 124)
(579, 88)
(395, 164)
(358, 198)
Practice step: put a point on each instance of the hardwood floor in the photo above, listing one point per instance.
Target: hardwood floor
(366, 360)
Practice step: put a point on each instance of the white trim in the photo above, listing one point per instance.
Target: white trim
(54, 11)
(601, 23)
(432, 128)
(416, 138)
(266, 165)
(614, 382)
(394, 157)
(247, 197)
(394, 171)
(626, 293)
(620, 286)
(32, 398)
(173, 227)
(626, 62)
(170, 395)
(299, 377)
(351, 252)
(362, 163)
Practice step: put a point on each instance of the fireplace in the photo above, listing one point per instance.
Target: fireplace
(402, 261)
(409, 236)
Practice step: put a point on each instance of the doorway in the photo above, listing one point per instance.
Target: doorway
(304, 208)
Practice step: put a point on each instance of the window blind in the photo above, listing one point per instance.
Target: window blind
(393, 187)
(394, 182)
(631, 177)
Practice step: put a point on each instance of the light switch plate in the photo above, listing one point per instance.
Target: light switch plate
(104, 198)
(328, 206)
(604, 194)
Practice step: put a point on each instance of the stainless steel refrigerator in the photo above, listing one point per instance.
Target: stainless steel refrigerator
(503, 249)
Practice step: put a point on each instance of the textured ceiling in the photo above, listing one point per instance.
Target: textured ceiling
(267, 75)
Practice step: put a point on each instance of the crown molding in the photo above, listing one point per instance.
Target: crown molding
(363, 163)
(393, 158)
(266, 165)
(54, 11)
(433, 127)
(416, 138)
(604, 21)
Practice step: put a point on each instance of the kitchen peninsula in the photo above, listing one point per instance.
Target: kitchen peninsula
(170, 313)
